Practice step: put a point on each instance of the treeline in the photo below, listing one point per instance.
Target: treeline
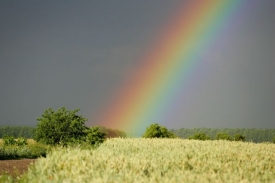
(27, 131)
(112, 133)
(251, 134)
(16, 131)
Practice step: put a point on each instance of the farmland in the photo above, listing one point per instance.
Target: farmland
(158, 160)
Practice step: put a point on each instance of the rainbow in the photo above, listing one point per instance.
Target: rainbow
(159, 80)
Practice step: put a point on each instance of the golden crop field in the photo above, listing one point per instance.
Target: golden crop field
(159, 160)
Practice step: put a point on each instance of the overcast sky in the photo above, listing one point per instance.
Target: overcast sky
(76, 54)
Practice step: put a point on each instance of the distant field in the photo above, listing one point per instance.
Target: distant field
(159, 160)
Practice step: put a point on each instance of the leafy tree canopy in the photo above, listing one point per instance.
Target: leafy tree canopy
(200, 136)
(239, 137)
(223, 136)
(158, 131)
(95, 136)
(61, 126)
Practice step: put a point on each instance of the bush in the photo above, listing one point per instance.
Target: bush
(21, 141)
(158, 131)
(274, 140)
(112, 133)
(9, 140)
(26, 151)
(223, 136)
(200, 136)
(95, 136)
(60, 127)
(239, 137)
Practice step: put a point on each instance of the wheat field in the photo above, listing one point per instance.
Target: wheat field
(158, 160)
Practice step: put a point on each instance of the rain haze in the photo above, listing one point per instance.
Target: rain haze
(77, 54)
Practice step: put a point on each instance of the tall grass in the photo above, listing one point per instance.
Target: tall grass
(158, 160)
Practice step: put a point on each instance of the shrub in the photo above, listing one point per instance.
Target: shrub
(239, 137)
(60, 127)
(200, 136)
(112, 133)
(21, 141)
(158, 131)
(26, 151)
(223, 136)
(95, 136)
(9, 140)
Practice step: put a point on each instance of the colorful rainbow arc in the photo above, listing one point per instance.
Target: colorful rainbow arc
(162, 73)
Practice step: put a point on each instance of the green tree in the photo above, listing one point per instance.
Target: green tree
(223, 136)
(95, 135)
(274, 139)
(158, 131)
(239, 137)
(200, 136)
(60, 127)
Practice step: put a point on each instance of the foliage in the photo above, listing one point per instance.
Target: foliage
(112, 133)
(251, 134)
(21, 141)
(9, 140)
(95, 136)
(26, 151)
(60, 127)
(239, 137)
(158, 160)
(200, 136)
(16, 131)
(274, 139)
(223, 136)
(158, 131)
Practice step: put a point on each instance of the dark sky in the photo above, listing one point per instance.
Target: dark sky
(76, 54)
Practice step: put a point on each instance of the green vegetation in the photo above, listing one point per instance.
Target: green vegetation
(158, 160)
(158, 131)
(16, 131)
(19, 151)
(147, 159)
(251, 135)
(95, 136)
(112, 133)
(200, 136)
(239, 137)
(223, 136)
(254, 135)
(10, 140)
(60, 127)
(64, 127)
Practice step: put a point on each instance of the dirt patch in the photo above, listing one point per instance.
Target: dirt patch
(15, 167)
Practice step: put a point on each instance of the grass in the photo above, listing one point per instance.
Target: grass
(158, 160)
